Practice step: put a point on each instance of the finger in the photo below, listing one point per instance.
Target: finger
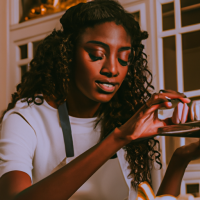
(155, 102)
(163, 100)
(185, 100)
(180, 110)
(175, 117)
(184, 113)
(157, 98)
(175, 95)
(180, 113)
(173, 92)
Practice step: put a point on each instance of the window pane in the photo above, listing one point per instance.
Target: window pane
(168, 16)
(193, 189)
(24, 69)
(23, 51)
(35, 46)
(169, 55)
(170, 143)
(191, 66)
(190, 12)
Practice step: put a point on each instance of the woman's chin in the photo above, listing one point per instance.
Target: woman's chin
(104, 98)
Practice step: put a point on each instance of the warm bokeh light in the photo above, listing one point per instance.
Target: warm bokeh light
(55, 3)
(36, 10)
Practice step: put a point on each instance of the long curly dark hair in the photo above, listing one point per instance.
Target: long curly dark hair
(50, 73)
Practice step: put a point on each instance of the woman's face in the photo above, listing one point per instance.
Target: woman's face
(101, 61)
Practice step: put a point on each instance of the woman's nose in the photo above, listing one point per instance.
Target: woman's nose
(110, 68)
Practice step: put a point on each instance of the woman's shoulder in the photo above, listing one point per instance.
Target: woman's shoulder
(33, 112)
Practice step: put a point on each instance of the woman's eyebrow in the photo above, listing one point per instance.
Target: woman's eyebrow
(107, 46)
(124, 48)
(99, 43)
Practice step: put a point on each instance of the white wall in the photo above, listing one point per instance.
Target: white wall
(3, 53)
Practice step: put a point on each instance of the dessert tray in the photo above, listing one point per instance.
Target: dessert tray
(190, 129)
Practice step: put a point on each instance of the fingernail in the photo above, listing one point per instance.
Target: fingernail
(160, 91)
(169, 103)
(180, 100)
(168, 99)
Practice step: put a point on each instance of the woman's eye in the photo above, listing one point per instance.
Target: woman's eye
(122, 62)
(94, 58)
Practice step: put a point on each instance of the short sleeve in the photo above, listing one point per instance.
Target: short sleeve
(17, 145)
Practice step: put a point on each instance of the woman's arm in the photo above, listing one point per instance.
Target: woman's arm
(63, 183)
(182, 156)
(172, 180)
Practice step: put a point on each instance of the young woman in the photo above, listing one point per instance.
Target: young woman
(94, 69)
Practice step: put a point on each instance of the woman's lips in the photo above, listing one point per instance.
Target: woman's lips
(106, 87)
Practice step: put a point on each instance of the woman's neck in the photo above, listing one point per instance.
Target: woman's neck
(81, 107)
(77, 107)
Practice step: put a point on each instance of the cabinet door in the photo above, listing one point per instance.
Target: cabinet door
(138, 9)
(24, 39)
(24, 36)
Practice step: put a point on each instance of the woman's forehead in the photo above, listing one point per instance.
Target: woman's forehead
(109, 32)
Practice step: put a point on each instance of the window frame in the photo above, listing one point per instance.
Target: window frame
(177, 32)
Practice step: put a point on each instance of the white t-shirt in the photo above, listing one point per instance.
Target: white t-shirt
(32, 141)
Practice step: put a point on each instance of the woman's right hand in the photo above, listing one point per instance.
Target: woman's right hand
(188, 152)
(145, 122)
(179, 161)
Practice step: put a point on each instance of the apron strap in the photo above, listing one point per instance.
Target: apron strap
(66, 129)
(114, 156)
(67, 133)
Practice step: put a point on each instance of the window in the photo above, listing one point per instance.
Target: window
(25, 54)
(178, 23)
(139, 13)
